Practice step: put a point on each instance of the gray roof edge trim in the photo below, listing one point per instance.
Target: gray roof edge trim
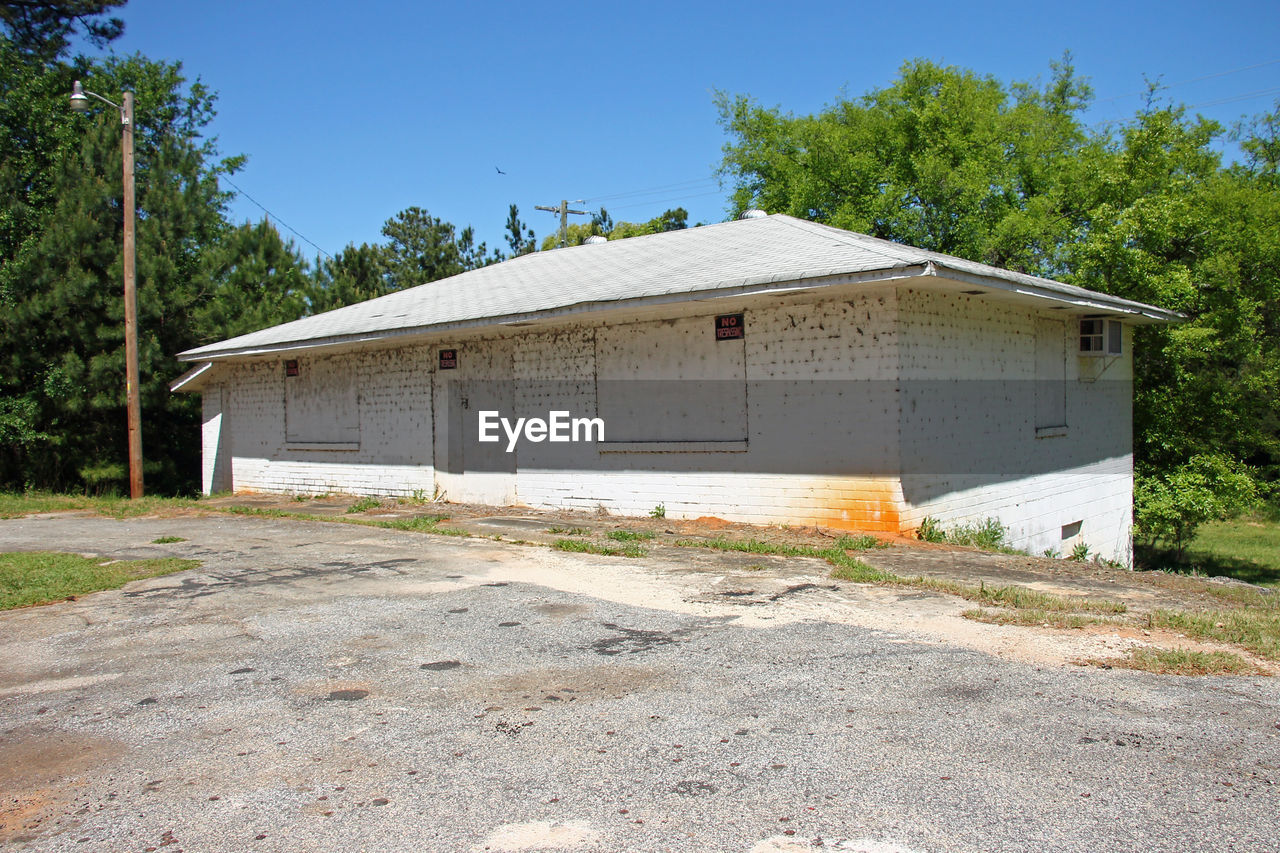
(189, 377)
(1150, 313)
(1002, 279)
(761, 285)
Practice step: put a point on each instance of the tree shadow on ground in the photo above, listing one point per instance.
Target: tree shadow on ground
(1195, 562)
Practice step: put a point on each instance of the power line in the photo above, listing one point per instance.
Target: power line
(665, 200)
(1275, 90)
(650, 190)
(1191, 80)
(639, 195)
(277, 218)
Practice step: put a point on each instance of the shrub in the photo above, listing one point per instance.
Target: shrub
(1168, 508)
(989, 535)
(930, 531)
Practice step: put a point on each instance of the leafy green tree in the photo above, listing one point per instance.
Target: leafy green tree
(1260, 140)
(420, 248)
(1166, 224)
(602, 225)
(668, 220)
(1008, 175)
(1172, 505)
(942, 159)
(601, 222)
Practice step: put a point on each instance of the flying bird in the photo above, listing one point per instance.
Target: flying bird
(500, 172)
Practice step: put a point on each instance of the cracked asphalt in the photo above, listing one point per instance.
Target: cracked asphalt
(327, 687)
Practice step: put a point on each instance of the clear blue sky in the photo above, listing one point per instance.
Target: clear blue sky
(350, 112)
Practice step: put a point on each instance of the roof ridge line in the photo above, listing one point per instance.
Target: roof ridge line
(898, 251)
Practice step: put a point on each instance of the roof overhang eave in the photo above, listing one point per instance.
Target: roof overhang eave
(1137, 313)
(193, 380)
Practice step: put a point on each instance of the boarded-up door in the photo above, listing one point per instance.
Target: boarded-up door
(468, 469)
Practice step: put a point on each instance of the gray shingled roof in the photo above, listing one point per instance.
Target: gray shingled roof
(732, 257)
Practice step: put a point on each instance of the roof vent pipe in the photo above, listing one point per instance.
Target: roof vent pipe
(753, 213)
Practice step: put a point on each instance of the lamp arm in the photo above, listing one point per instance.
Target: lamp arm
(124, 119)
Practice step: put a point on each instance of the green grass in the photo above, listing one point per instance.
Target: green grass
(1033, 618)
(417, 524)
(630, 535)
(851, 569)
(271, 513)
(844, 567)
(1256, 629)
(749, 546)
(364, 504)
(166, 540)
(1246, 548)
(1182, 662)
(569, 531)
(1019, 597)
(1019, 605)
(989, 536)
(14, 505)
(863, 542)
(40, 577)
(582, 546)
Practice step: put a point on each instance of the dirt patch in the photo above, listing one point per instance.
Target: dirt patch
(336, 692)
(561, 610)
(40, 771)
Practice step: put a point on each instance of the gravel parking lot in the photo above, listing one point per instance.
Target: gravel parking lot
(317, 686)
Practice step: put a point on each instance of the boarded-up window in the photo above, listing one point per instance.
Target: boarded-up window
(1051, 374)
(671, 381)
(322, 403)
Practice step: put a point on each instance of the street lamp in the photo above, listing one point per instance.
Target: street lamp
(80, 103)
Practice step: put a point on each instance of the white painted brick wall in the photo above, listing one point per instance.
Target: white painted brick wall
(394, 453)
(215, 443)
(829, 424)
(970, 450)
(821, 442)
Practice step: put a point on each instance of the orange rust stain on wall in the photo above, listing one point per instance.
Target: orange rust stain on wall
(854, 503)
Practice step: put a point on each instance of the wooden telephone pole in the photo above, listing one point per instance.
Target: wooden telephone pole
(132, 402)
(564, 212)
(80, 103)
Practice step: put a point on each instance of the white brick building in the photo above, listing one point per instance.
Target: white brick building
(869, 385)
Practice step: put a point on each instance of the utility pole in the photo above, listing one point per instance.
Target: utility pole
(132, 403)
(80, 103)
(564, 212)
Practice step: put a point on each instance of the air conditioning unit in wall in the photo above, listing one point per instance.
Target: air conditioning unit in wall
(1099, 336)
